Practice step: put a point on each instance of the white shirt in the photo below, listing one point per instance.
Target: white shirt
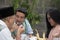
(5, 33)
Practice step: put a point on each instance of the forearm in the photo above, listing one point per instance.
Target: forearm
(18, 36)
(19, 32)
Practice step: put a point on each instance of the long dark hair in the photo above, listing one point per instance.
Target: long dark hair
(55, 15)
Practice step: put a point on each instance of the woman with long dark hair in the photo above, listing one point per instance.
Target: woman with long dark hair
(53, 23)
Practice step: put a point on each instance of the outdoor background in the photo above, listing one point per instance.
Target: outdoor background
(36, 11)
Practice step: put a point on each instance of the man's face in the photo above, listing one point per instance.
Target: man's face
(20, 17)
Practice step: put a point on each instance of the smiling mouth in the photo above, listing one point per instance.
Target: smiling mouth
(18, 23)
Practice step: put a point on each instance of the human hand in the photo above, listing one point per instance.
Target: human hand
(14, 27)
(20, 29)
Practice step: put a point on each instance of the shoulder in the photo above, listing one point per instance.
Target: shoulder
(2, 27)
(56, 31)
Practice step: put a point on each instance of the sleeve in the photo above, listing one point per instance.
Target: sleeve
(29, 29)
(1, 27)
(5, 34)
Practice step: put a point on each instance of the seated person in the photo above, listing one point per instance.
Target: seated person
(53, 24)
(21, 14)
(6, 23)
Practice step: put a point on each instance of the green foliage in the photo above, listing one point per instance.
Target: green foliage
(55, 3)
(33, 17)
(15, 3)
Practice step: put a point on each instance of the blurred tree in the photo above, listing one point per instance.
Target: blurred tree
(55, 3)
